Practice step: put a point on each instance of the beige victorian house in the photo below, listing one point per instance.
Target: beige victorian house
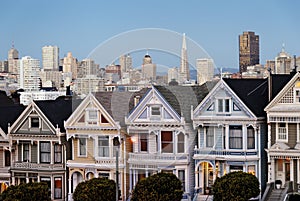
(91, 130)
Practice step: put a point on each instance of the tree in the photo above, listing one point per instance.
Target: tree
(96, 189)
(158, 187)
(236, 186)
(27, 192)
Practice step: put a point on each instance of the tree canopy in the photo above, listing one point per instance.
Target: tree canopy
(158, 187)
(236, 186)
(96, 189)
(27, 192)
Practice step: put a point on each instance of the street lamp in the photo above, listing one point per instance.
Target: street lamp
(116, 144)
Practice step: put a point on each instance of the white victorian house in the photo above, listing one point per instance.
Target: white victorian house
(230, 123)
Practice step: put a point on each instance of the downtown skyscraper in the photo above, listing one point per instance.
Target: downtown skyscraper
(50, 57)
(248, 50)
(184, 71)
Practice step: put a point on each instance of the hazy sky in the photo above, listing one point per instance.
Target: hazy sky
(80, 26)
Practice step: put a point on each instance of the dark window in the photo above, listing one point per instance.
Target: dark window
(57, 187)
(45, 152)
(57, 153)
(155, 111)
(26, 152)
(210, 137)
(166, 141)
(180, 143)
(7, 158)
(103, 119)
(250, 138)
(144, 142)
(235, 137)
(35, 122)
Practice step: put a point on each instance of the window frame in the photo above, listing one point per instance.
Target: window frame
(79, 154)
(55, 188)
(181, 143)
(166, 143)
(249, 138)
(94, 120)
(58, 153)
(45, 152)
(232, 139)
(106, 148)
(280, 128)
(143, 140)
(222, 107)
(25, 158)
(212, 136)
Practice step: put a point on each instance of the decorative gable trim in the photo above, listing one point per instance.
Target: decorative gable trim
(3, 135)
(153, 104)
(32, 108)
(237, 104)
(285, 93)
(90, 103)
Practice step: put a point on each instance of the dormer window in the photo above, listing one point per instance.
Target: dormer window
(92, 116)
(34, 122)
(155, 111)
(223, 105)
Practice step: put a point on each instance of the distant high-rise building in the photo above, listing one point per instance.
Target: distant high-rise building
(13, 56)
(29, 74)
(248, 50)
(172, 74)
(125, 63)
(87, 67)
(283, 62)
(50, 57)
(205, 70)
(148, 68)
(70, 65)
(184, 71)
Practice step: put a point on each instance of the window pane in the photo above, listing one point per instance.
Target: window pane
(250, 138)
(220, 105)
(45, 152)
(144, 142)
(57, 153)
(103, 146)
(35, 122)
(181, 177)
(82, 146)
(180, 147)
(155, 110)
(167, 141)
(226, 105)
(235, 137)
(210, 137)
(92, 114)
(57, 187)
(25, 152)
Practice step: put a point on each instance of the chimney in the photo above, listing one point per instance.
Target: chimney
(136, 100)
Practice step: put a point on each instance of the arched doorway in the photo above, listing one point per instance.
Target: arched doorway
(76, 179)
(204, 176)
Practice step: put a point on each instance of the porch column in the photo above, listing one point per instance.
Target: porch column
(130, 180)
(226, 136)
(272, 170)
(70, 179)
(197, 178)
(298, 175)
(292, 170)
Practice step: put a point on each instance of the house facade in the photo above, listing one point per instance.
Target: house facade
(283, 146)
(91, 131)
(231, 131)
(37, 150)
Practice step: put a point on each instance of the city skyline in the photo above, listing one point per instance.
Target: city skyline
(215, 26)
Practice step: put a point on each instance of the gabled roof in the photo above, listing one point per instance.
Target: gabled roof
(279, 81)
(253, 93)
(284, 82)
(9, 112)
(58, 110)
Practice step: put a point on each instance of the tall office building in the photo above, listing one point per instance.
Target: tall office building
(87, 67)
(125, 63)
(172, 74)
(283, 62)
(29, 74)
(184, 71)
(248, 50)
(205, 70)
(13, 56)
(148, 69)
(50, 57)
(70, 65)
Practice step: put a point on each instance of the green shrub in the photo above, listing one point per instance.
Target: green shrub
(158, 187)
(96, 189)
(27, 192)
(236, 186)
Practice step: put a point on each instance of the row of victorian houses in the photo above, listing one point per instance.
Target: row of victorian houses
(198, 133)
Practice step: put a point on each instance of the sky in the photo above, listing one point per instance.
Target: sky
(80, 26)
